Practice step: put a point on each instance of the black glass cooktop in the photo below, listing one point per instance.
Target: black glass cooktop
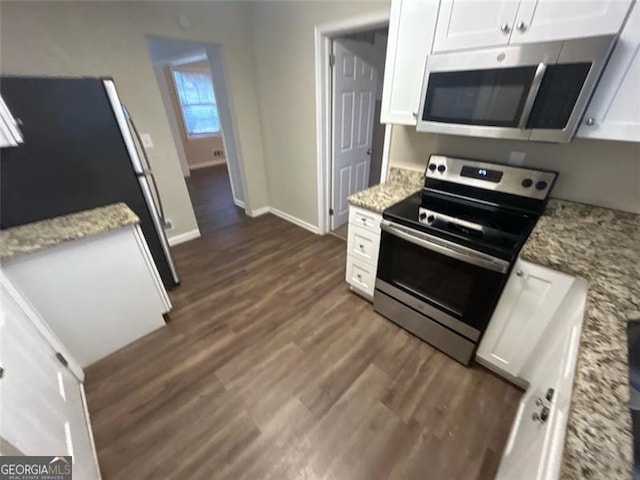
(503, 231)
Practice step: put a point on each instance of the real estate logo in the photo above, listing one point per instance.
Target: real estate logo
(35, 468)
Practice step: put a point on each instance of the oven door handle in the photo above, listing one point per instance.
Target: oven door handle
(446, 248)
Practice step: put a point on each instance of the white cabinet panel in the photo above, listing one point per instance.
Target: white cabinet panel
(365, 219)
(471, 24)
(614, 111)
(411, 29)
(529, 300)
(42, 409)
(547, 20)
(361, 275)
(363, 244)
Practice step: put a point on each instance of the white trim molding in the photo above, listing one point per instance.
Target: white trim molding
(257, 212)
(295, 220)
(323, 35)
(184, 237)
(210, 163)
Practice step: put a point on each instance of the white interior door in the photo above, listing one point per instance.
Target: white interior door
(41, 404)
(354, 96)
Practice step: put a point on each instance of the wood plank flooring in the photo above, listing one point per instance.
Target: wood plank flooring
(270, 368)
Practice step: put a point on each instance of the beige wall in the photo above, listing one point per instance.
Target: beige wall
(285, 66)
(591, 171)
(107, 39)
(198, 149)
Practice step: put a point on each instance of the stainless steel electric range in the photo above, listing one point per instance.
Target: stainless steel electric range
(446, 252)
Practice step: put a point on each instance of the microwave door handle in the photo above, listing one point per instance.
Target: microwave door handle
(531, 97)
(484, 261)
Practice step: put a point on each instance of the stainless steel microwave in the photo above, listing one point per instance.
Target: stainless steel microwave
(525, 92)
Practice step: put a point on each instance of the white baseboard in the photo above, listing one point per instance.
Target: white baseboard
(258, 211)
(210, 163)
(184, 237)
(295, 220)
(239, 203)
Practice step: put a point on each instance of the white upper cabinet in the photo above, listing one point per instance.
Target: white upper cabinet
(614, 111)
(466, 24)
(411, 29)
(547, 20)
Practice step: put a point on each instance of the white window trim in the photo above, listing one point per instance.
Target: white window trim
(192, 136)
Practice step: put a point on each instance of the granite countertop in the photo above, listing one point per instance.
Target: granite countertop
(36, 236)
(401, 183)
(602, 246)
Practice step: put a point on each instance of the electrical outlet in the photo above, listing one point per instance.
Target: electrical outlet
(146, 140)
(516, 158)
(168, 225)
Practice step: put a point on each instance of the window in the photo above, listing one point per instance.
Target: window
(198, 102)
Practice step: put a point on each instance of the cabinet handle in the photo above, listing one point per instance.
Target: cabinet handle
(521, 26)
(361, 247)
(504, 28)
(519, 273)
(542, 416)
(415, 114)
(590, 121)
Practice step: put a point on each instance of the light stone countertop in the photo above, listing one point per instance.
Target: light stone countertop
(401, 183)
(32, 237)
(603, 247)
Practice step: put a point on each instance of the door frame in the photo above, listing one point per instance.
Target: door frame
(324, 156)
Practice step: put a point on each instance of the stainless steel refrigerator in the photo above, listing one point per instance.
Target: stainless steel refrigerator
(81, 150)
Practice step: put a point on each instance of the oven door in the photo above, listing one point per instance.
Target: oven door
(451, 284)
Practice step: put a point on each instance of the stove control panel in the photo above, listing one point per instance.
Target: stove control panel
(524, 182)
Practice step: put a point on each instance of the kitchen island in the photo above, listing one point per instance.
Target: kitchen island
(91, 277)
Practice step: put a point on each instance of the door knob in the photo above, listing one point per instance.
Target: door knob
(368, 151)
(504, 28)
(1, 372)
(519, 273)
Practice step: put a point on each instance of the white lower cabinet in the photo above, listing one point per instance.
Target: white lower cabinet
(535, 445)
(42, 403)
(363, 244)
(529, 300)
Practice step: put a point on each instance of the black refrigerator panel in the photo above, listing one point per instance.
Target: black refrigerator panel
(73, 157)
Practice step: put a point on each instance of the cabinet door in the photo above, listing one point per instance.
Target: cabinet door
(529, 300)
(470, 24)
(42, 409)
(411, 29)
(614, 110)
(546, 20)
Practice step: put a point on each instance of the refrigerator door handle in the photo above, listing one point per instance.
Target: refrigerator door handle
(124, 121)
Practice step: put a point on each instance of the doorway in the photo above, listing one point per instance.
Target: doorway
(352, 143)
(192, 84)
(358, 61)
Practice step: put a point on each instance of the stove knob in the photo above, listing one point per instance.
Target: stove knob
(422, 216)
(441, 168)
(430, 219)
(527, 182)
(432, 167)
(541, 185)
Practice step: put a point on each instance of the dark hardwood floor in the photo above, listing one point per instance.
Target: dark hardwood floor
(270, 368)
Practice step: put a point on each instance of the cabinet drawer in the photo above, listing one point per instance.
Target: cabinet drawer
(361, 275)
(363, 244)
(365, 219)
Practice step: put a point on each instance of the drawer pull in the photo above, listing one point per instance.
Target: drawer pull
(361, 247)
